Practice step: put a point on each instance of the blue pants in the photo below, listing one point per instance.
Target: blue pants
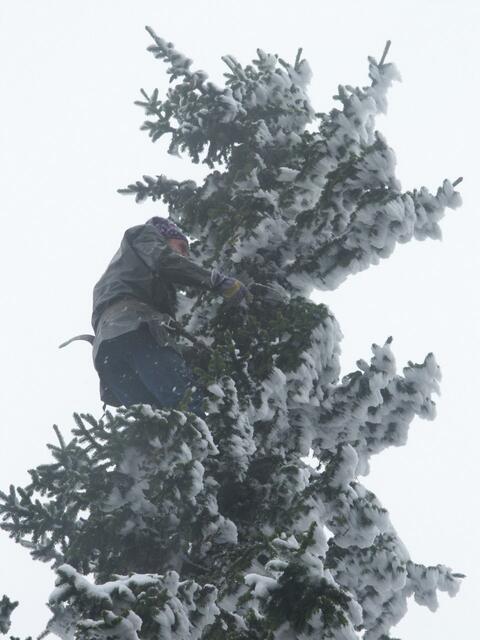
(137, 370)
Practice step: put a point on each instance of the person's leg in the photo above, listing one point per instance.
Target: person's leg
(164, 372)
(119, 376)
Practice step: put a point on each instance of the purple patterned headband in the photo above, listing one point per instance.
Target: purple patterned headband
(167, 228)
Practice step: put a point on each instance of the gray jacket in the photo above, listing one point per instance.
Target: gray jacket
(139, 287)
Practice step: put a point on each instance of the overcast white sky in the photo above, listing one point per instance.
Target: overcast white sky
(69, 138)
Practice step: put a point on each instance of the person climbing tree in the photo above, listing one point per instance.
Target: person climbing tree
(135, 350)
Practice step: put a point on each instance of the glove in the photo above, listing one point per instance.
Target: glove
(230, 288)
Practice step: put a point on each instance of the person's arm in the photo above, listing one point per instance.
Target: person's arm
(152, 248)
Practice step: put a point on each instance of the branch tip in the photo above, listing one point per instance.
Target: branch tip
(59, 436)
(385, 52)
(298, 58)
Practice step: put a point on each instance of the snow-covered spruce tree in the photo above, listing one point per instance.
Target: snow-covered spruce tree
(161, 525)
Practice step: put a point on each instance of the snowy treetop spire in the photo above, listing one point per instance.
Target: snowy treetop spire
(283, 175)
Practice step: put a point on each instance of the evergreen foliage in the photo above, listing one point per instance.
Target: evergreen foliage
(163, 525)
(6, 608)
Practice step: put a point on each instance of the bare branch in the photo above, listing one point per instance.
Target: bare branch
(385, 52)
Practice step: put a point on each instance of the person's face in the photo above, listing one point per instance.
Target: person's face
(178, 245)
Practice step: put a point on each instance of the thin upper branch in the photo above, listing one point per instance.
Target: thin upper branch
(385, 52)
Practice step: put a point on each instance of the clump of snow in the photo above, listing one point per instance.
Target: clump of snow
(184, 609)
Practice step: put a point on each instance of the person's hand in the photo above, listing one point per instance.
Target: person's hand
(231, 289)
